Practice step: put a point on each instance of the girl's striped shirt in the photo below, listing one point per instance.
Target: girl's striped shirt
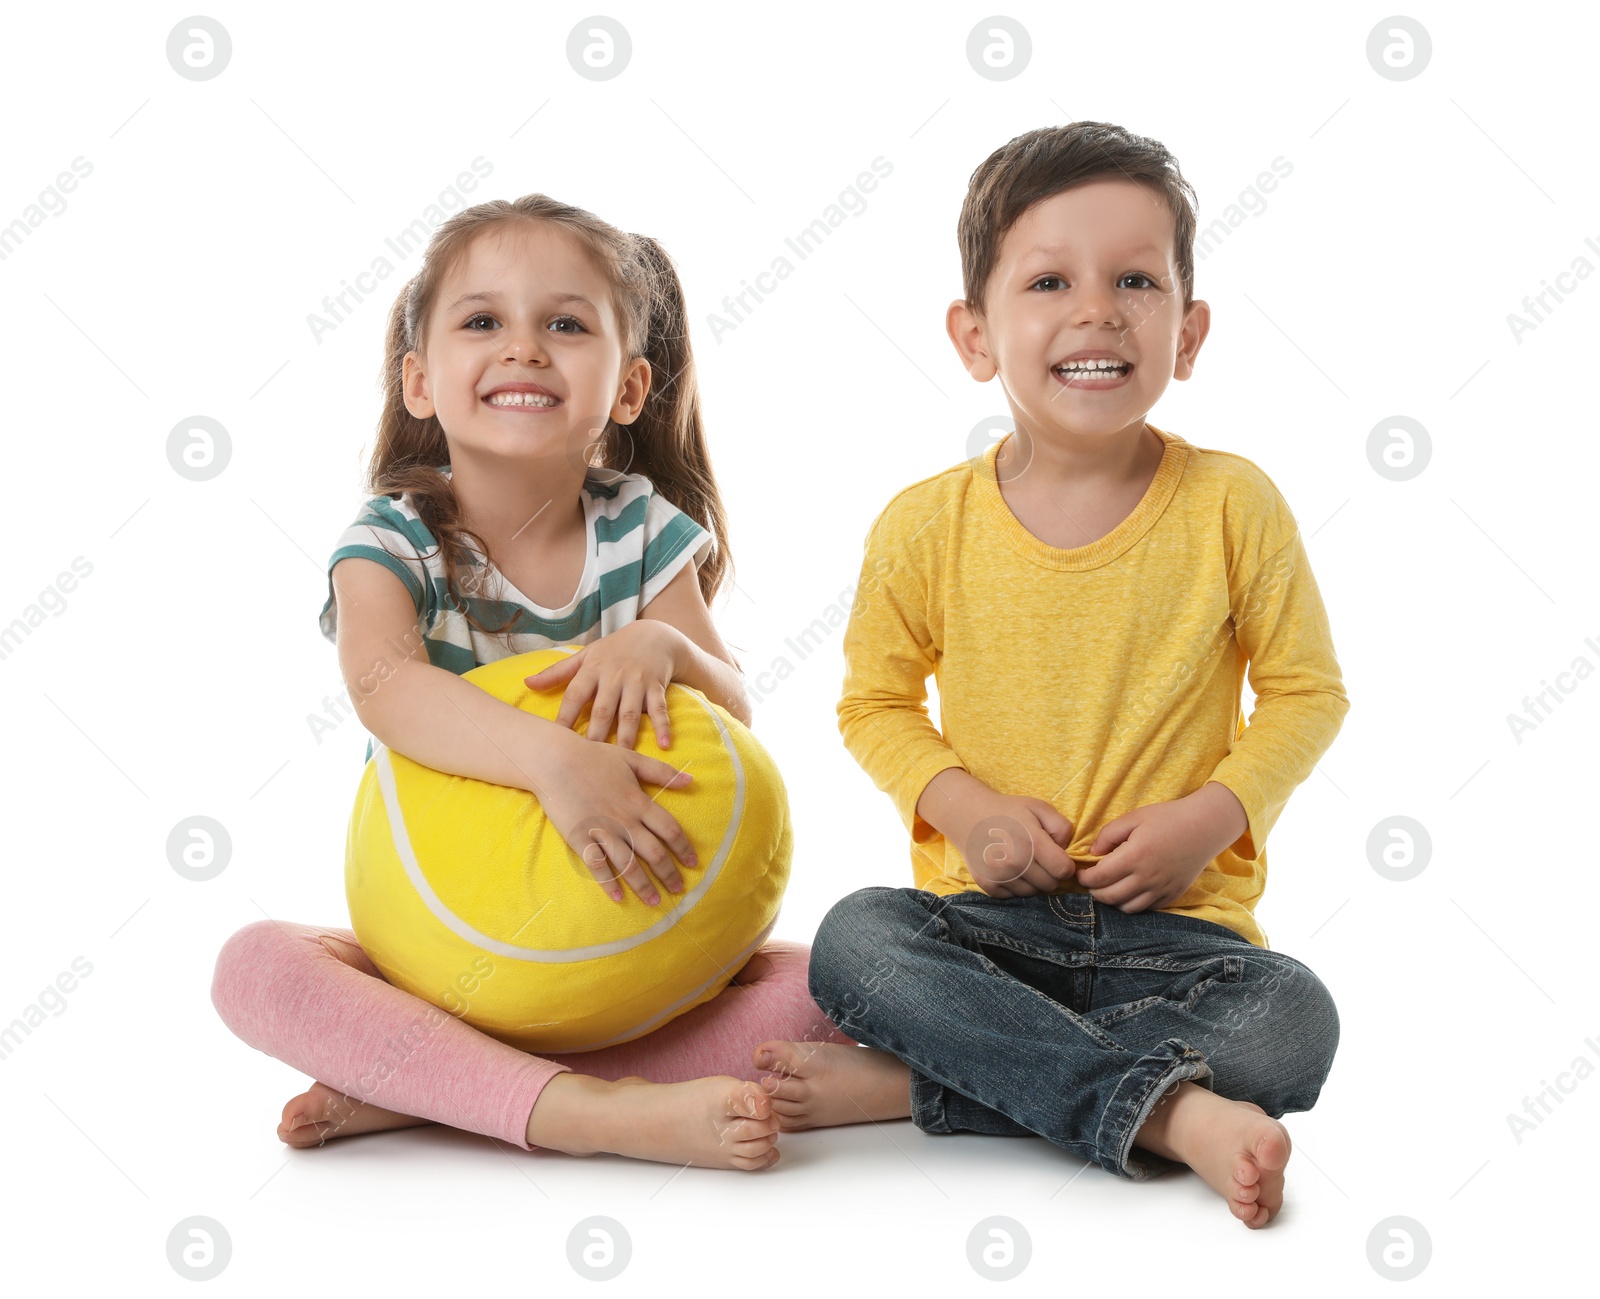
(637, 543)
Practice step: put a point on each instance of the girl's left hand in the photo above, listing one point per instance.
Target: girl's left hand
(625, 674)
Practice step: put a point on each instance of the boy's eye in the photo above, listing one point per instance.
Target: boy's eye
(1131, 275)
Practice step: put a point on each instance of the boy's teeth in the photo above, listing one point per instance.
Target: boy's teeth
(521, 399)
(1080, 367)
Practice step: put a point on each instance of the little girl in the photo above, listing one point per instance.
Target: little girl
(533, 333)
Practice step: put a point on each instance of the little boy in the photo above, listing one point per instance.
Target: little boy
(1079, 956)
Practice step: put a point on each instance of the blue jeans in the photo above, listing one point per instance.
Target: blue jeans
(1062, 1017)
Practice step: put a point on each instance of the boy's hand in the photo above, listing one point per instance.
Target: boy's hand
(625, 674)
(1016, 846)
(1154, 853)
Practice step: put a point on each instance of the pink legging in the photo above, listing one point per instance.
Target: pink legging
(309, 996)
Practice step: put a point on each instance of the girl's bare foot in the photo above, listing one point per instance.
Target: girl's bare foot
(1235, 1146)
(707, 1122)
(321, 1114)
(824, 1084)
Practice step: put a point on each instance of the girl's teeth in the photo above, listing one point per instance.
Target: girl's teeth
(521, 399)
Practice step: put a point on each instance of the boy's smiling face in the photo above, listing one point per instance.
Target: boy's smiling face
(1088, 270)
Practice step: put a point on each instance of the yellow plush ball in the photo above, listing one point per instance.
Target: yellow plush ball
(464, 894)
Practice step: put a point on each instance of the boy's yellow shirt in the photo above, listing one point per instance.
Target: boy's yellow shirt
(1100, 678)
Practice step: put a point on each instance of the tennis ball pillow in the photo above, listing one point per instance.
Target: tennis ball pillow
(464, 894)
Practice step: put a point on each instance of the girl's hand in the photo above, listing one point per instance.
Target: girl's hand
(624, 674)
(593, 798)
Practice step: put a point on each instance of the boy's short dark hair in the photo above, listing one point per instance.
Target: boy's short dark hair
(1041, 163)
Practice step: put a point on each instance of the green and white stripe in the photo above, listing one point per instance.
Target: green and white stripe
(638, 542)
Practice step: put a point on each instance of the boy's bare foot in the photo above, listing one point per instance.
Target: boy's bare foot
(824, 1084)
(707, 1122)
(1235, 1146)
(321, 1114)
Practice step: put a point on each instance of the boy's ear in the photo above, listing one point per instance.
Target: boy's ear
(966, 332)
(1196, 325)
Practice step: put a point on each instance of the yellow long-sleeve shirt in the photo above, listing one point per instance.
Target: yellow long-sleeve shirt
(1100, 678)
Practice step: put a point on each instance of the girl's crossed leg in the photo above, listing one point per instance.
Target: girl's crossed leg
(309, 996)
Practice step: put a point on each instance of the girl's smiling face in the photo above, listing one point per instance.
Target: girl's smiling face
(526, 309)
(1087, 270)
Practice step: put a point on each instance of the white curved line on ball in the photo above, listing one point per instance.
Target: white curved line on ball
(645, 1026)
(459, 927)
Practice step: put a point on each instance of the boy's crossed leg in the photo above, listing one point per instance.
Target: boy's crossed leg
(1131, 1040)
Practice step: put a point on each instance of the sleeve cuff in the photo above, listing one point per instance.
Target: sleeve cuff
(909, 792)
(1247, 847)
(327, 620)
(682, 541)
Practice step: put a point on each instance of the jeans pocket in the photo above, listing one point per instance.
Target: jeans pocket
(1175, 983)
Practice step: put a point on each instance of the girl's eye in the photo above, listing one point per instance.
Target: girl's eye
(484, 315)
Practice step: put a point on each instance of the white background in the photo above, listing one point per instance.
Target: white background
(178, 678)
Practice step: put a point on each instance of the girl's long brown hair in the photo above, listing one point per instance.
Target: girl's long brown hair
(666, 443)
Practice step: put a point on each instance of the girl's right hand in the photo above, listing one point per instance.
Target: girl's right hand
(592, 797)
